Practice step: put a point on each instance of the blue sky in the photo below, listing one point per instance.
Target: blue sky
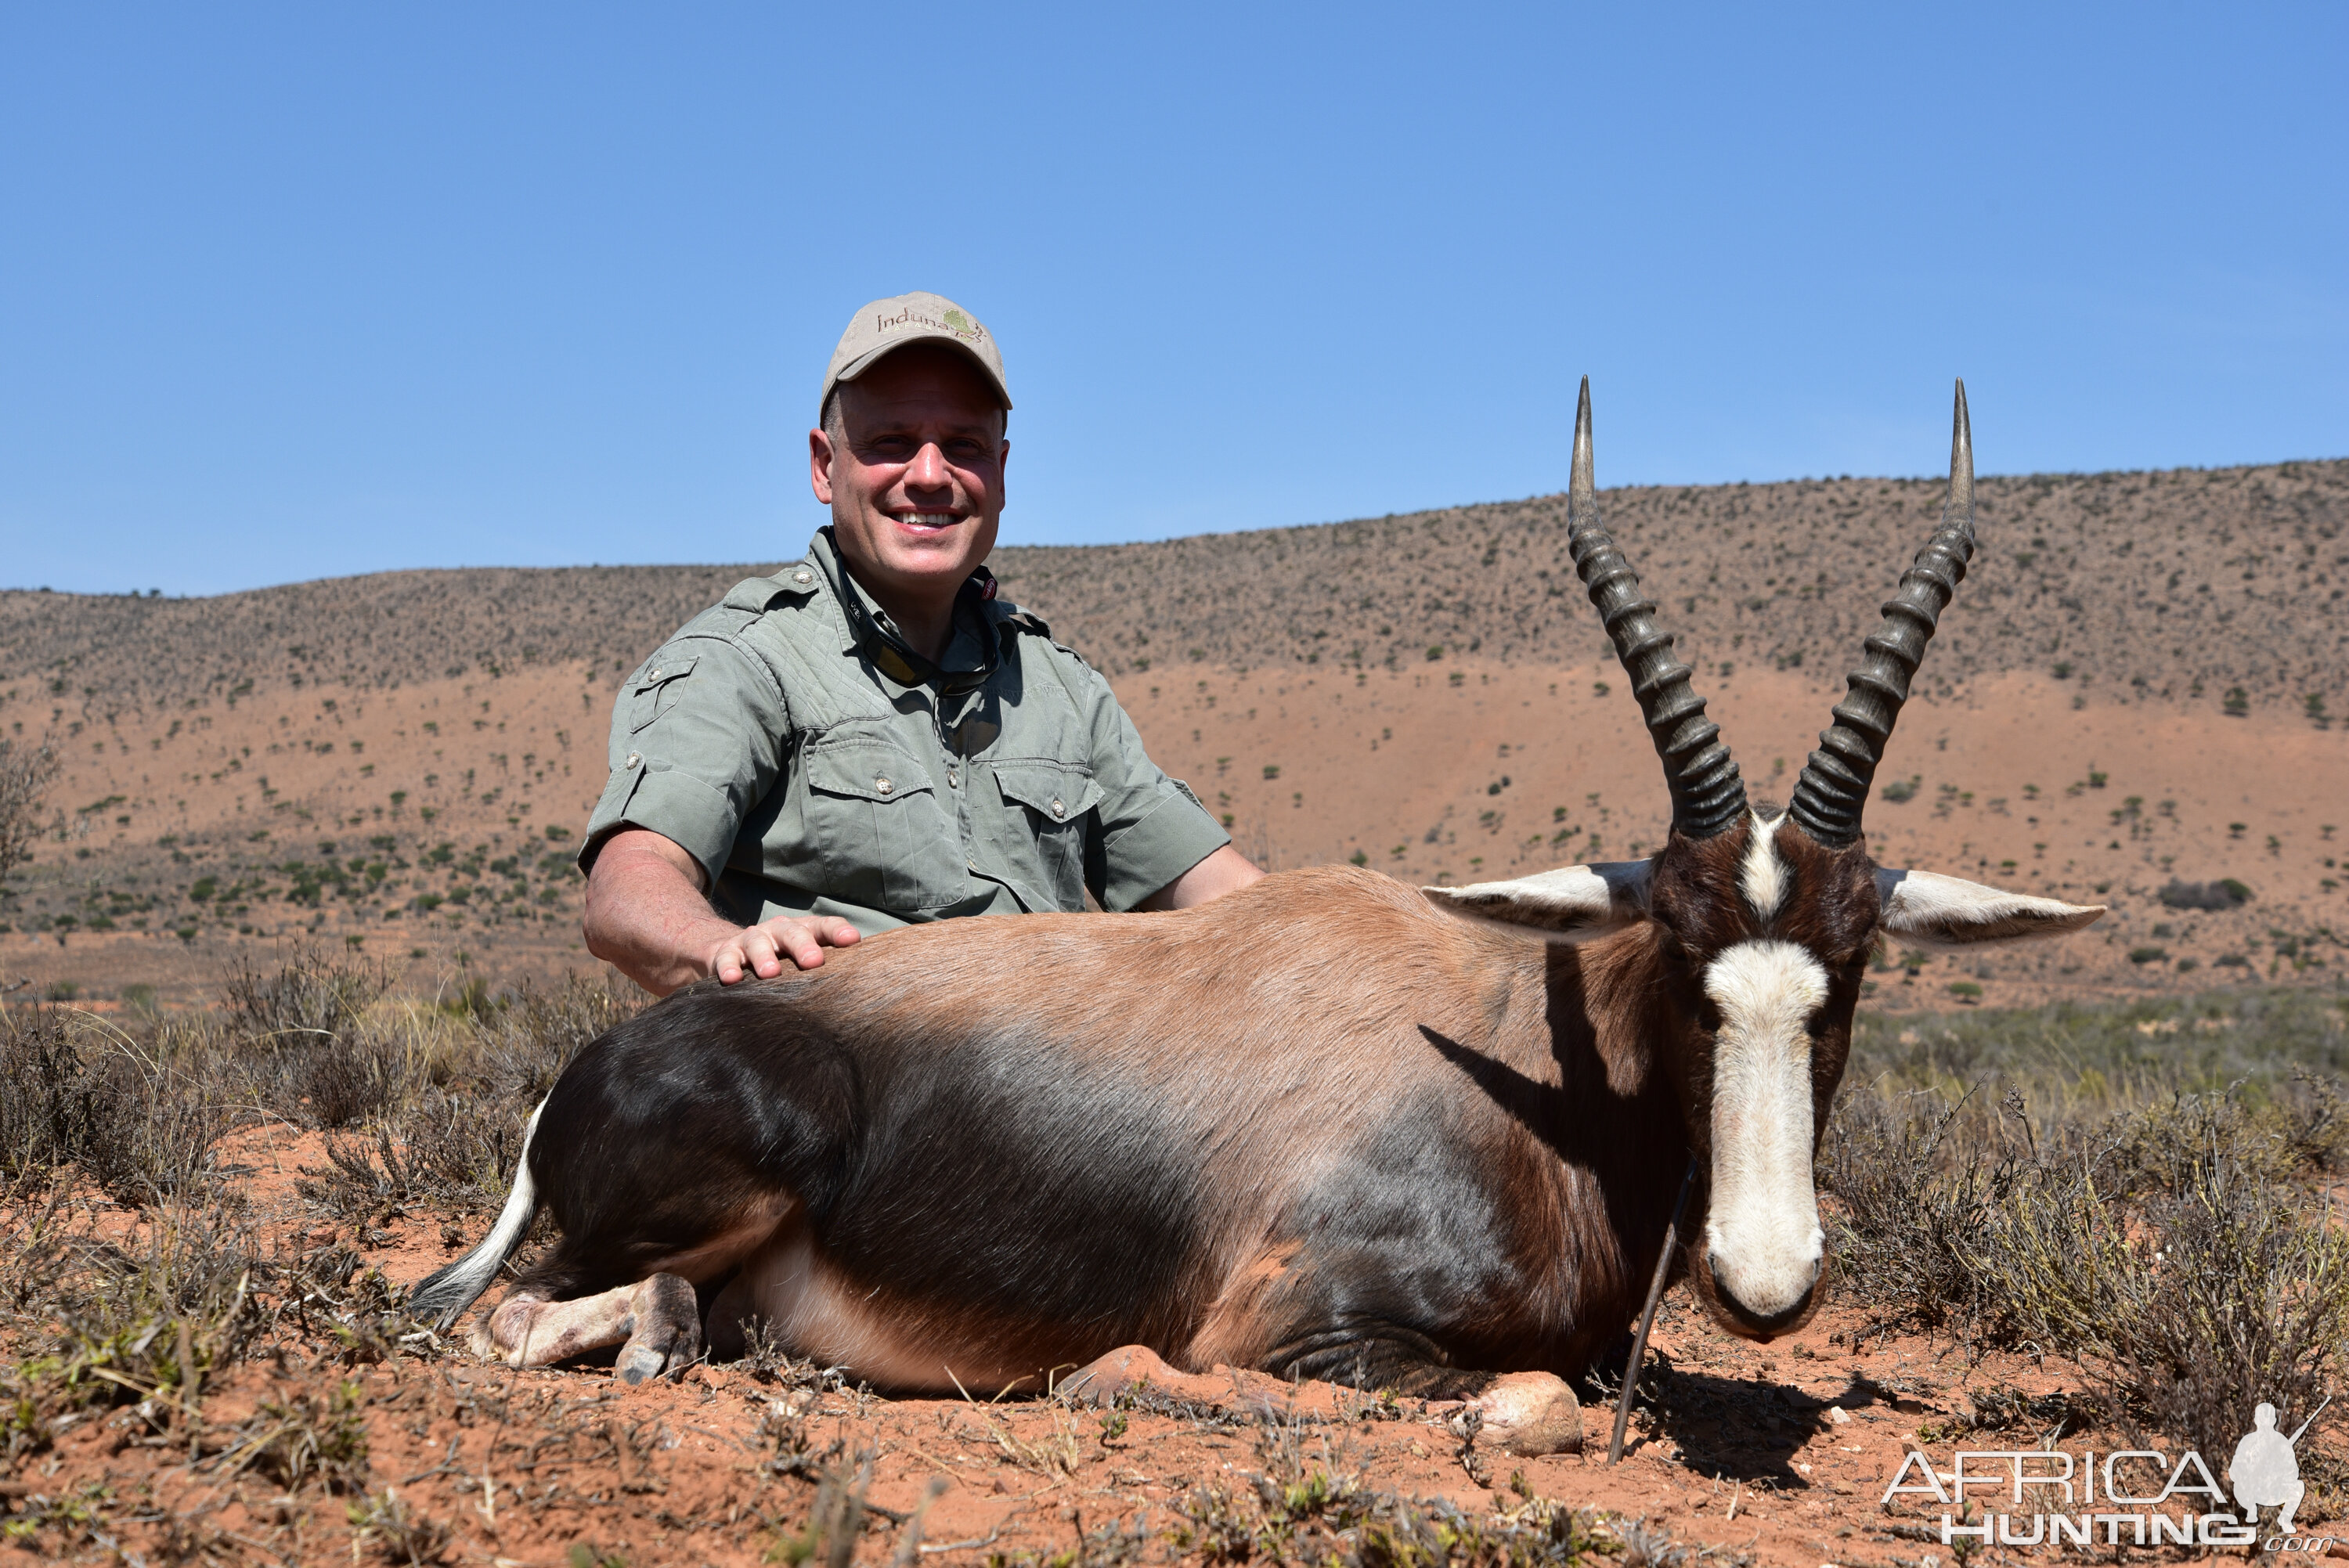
(301, 291)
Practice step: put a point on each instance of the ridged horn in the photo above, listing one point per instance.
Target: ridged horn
(1831, 793)
(1707, 796)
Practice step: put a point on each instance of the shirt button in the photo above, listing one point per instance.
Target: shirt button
(802, 577)
(1058, 810)
(634, 759)
(954, 779)
(883, 786)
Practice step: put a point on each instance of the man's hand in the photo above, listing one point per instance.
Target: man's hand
(763, 949)
(647, 917)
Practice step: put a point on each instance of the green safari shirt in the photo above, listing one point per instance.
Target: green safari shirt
(787, 739)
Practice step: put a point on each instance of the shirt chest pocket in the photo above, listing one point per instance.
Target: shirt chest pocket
(657, 688)
(1042, 838)
(882, 836)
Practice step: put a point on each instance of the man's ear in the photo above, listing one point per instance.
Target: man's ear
(1950, 912)
(820, 455)
(1573, 903)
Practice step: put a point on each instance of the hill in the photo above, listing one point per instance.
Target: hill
(2135, 692)
(2176, 584)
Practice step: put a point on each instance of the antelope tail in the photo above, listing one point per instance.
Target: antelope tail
(447, 1293)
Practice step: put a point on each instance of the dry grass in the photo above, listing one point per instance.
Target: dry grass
(1316, 1512)
(2166, 1228)
(433, 1097)
(136, 1116)
(102, 1308)
(2141, 1193)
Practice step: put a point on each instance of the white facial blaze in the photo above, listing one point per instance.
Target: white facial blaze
(1762, 879)
(1763, 1234)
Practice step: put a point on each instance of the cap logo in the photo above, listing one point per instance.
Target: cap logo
(953, 323)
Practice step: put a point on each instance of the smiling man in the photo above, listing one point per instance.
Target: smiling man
(871, 737)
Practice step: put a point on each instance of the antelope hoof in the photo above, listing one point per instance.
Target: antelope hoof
(666, 1333)
(1100, 1381)
(1529, 1414)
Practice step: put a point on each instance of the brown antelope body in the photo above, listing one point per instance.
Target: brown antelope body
(1328, 1126)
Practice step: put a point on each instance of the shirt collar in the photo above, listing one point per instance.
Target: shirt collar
(868, 630)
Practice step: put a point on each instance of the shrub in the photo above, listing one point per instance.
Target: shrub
(77, 1092)
(312, 992)
(2192, 1281)
(26, 774)
(123, 1323)
(2223, 894)
(460, 1151)
(1908, 1215)
(522, 1046)
(2175, 1252)
(305, 1051)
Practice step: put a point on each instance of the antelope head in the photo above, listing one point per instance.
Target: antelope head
(1762, 921)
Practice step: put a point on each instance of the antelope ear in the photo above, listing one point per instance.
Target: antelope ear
(1951, 911)
(1572, 903)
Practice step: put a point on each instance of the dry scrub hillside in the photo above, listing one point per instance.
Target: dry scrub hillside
(2183, 584)
(2180, 586)
(2132, 703)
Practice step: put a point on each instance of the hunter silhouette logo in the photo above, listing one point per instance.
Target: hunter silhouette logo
(2051, 1496)
(2265, 1471)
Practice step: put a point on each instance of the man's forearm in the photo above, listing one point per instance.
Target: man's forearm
(646, 917)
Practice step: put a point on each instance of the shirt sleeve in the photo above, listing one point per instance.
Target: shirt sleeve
(697, 739)
(1151, 828)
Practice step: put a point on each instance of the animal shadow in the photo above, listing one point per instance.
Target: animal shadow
(1743, 1428)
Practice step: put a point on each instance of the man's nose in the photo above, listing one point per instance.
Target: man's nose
(928, 468)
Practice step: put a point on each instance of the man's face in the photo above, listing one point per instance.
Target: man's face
(915, 487)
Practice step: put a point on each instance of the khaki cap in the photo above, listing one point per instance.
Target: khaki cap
(888, 324)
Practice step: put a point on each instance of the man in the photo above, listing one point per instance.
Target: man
(871, 738)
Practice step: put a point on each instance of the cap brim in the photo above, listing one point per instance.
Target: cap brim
(872, 357)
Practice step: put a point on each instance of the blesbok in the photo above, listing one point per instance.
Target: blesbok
(1330, 1126)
